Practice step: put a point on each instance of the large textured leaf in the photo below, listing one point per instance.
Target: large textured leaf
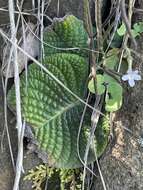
(67, 32)
(53, 113)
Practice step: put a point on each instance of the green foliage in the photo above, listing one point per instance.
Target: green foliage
(38, 176)
(100, 85)
(106, 83)
(67, 179)
(65, 33)
(122, 30)
(136, 31)
(117, 41)
(53, 112)
(70, 179)
(102, 132)
(112, 59)
(113, 97)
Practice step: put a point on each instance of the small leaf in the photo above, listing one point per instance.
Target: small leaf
(135, 33)
(114, 103)
(100, 85)
(112, 59)
(114, 51)
(122, 30)
(114, 96)
(117, 41)
(138, 27)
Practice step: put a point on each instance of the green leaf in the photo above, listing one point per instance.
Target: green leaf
(113, 100)
(112, 58)
(53, 113)
(102, 132)
(138, 27)
(117, 41)
(135, 33)
(122, 30)
(67, 32)
(114, 103)
(114, 96)
(100, 85)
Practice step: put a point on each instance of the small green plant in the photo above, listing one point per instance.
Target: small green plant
(69, 179)
(109, 85)
(53, 112)
(136, 30)
(39, 175)
(52, 100)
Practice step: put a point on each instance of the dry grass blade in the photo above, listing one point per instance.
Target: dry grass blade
(6, 126)
(18, 102)
(126, 37)
(79, 131)
(116, 22)
(98, 20)
(94, 119)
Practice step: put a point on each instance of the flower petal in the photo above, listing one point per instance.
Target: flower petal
(130, 71)
(136, 71)
(125, 77)
(131, 82)
(137, 77)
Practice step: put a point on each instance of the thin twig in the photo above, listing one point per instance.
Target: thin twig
(127, 20)
(78, 137)
(94, 119)
(20, 128)
(116, 22)
(29, 14)
(98, 20)
(126, 37)
(89, 29)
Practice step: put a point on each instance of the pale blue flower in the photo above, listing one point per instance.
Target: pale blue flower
(131, 77)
